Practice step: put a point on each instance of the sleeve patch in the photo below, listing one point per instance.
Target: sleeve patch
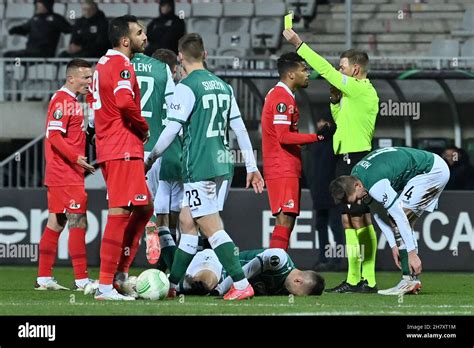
(124, 83)
(344, 79)
(280, 118)
(125, 74)
(58, 114)
(281, 107)
(55, 123)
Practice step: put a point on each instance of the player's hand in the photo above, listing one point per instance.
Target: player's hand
(292, 37)
(396, 257)
(82, 161)
(146, 137)
(323, 132)
(414, 262)
(255, 179)
(148, 166)
(335, 95)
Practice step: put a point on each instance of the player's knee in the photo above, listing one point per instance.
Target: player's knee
(77, 221)
(285, 220)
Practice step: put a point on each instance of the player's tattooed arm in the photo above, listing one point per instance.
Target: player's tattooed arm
(76, 220)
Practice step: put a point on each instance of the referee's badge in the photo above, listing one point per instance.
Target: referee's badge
(281, 107)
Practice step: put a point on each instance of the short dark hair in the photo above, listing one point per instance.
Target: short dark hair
(358, 57)
(317, 283)
(77, 63)
(192, 46)
(288, 61)
(166, 56)
(119, 27)
(342, 187)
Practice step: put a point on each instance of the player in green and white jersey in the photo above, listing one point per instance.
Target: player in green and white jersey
(406, 182)
(270, 271)
(204, 107)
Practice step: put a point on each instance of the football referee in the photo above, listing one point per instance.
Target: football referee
(354, 107)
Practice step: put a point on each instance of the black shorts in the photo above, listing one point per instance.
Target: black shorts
(344, 165)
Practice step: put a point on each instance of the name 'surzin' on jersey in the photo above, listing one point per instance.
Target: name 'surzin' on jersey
(208, 85)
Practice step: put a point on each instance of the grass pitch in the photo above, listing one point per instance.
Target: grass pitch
(442, 294)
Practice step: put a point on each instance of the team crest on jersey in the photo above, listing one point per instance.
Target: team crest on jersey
(125, 74)
(290, 204)
(74, 205)
(58, 114)
(274, 261)
(140, 198)
(281, 107)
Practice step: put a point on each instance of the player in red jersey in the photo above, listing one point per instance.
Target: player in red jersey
(64, 176)
(281, 144)
(120, 132)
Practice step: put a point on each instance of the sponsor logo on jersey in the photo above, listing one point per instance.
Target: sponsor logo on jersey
(281, 107)
(176, 107)
(74, 206)
(289, 204)
(384, 198)
(58, 114)
(140, 198)
(365, 164)
(125, 74)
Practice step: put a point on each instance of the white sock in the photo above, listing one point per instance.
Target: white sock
(241, 284)
(43, 280)
(189, 243)
(105, 288)
(219, 238)
(82, 282)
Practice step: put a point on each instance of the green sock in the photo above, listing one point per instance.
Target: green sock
(353, 256)
(228, 254)
(404, 261)
(183, 257)
(168, 247)
(368, 241)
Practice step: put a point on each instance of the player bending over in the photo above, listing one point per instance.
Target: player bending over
(406, 182)
(270, 271)
(204, 106)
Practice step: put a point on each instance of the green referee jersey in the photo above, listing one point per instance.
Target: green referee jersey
(356, 113)
(397, 164)
(156, 84)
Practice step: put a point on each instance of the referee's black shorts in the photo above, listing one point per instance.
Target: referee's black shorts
(344, 165)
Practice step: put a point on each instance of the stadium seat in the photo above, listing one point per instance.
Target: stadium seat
(266, 32)
(2, 11)
(42, 72)
(239, 9)
(19, 11)
(73, 11)
(202, 25)
(444, 48)
(145, 10)
(63, 42)
(378, 143)
(436, 145)
(211, 41)
(16, 42)
(303, 8)
(59, 8)
(467, 28)
(184, 9)
(234, 40)
(40, 77)
(207, 9)
(467, 48)
(270, 8)
(234, 25)
(114, 10)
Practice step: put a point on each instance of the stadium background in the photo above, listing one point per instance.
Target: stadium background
(421, 52)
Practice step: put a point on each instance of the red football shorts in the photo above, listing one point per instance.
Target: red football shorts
(284, 195)
(126, 183)
(71, 199)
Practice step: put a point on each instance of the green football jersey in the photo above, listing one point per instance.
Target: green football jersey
(397, 164)
(202, 104)
(156, 84)
(269, 282)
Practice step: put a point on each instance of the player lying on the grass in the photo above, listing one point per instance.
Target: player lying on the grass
(65, 145)
(204, 107)
(270, 271)
(406, 182)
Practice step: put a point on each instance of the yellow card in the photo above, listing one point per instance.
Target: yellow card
(289, 21)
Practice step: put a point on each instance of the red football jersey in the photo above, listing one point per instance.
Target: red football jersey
(116, 138)
(65, 115)
(280, 139)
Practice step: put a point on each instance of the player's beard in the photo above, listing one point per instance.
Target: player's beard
(138, 47)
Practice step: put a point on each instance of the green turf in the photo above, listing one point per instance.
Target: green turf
(442, 294)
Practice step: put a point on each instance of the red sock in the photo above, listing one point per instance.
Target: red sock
(131, 240)
(48, 248)
(111, 247)
(77, 251)
(280, 237)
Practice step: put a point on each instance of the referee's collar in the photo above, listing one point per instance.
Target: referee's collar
(112, 52)
(282, 84)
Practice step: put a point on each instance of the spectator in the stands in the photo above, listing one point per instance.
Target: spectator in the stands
(89, 33)
(166, 30)
(461, 171)
(43, 31)
(323, 171)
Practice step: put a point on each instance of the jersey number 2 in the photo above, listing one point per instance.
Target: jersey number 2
(196, 201)
(217, 103)
(150, 85)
